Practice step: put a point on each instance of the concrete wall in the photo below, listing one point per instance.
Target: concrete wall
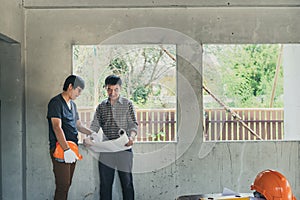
(12, 109)
(291, 78)
(11, 20)
(162, 171)
(190, 165)
(161, 3)
(12, 135)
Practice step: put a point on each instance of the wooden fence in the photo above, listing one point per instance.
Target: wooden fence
(219, 125)
(154, 124)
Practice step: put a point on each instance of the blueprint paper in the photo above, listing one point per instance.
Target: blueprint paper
(109, 145)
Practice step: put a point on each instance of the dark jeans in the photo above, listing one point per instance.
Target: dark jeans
(63, 173)
(122, 162)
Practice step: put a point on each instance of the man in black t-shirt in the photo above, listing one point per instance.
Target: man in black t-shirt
(64, 125)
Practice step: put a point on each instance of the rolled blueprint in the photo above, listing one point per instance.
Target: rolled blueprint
(110, 145)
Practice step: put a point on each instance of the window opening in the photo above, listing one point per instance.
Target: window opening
(149, 80)
(243, 92)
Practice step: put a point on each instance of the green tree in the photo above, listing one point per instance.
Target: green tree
(148, 74)
(145, 69)
(247, 73)
(118, 66)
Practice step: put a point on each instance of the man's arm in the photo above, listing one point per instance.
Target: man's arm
(132, 123)
(83, 129)
(131, 139)
(95, 124)
(69, 155)
(59, 133)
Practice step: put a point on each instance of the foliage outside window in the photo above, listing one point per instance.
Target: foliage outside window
(149, 80)
(246, 79)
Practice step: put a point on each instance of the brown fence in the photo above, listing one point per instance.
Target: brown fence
(219, 125)
(154, 124)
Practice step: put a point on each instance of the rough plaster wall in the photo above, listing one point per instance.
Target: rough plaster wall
(291, 78)
(13, 172)
(157, 3)
(11, 20)
(202, 167)
(12, 127)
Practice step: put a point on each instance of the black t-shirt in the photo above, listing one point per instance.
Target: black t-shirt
(58, 108)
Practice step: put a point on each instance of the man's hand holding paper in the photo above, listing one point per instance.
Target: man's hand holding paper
(95, 143)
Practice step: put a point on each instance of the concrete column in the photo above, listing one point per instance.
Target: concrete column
(12, 135)
(291, 68)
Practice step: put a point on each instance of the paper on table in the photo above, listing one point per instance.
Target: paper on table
(227, 192)
(109, 145)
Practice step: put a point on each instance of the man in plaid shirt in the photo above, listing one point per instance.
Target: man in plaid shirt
(112, 115)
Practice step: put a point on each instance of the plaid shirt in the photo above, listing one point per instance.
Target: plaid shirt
(112, 118)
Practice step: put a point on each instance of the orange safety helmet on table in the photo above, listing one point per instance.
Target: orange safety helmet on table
(273, 186)
(59, 152)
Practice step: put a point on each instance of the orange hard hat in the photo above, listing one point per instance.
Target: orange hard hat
(273, 186)
(59, 152)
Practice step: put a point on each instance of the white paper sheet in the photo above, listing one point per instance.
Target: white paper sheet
(229, 192)
(110, 145)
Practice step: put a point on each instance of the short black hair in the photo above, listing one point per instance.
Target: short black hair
(113, 80)
(75, 81)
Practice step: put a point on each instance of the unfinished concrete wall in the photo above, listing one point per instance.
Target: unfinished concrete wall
(190, 166)
(11, 20)
(292, 71)
(12, 108)
(12, 135)
(161, 3)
